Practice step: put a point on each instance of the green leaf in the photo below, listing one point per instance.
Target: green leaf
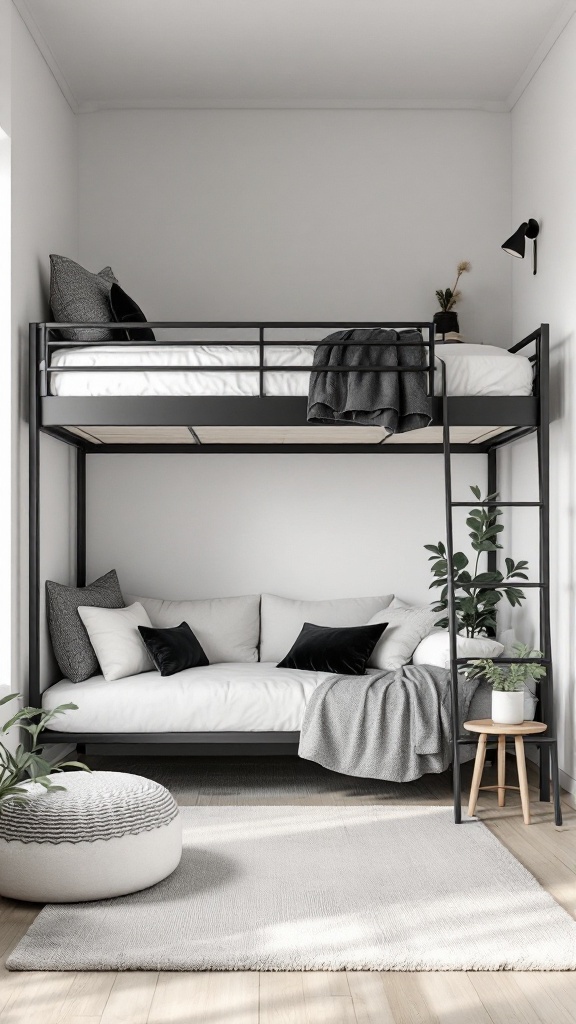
(476, 492)
(9, 696)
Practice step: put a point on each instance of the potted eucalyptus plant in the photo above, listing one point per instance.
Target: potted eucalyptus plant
(24, 766)
(477, 593)
(508, 683)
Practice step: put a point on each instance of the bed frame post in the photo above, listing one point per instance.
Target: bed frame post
(452, 627)
(36, 339)
(492, 556)
(543, 440)
(80, 517)
(492, 488)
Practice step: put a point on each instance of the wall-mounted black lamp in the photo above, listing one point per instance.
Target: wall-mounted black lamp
(516, 244)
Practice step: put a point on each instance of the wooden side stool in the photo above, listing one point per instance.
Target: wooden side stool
(486, 727)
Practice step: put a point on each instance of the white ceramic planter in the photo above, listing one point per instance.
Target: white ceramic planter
(508, 707)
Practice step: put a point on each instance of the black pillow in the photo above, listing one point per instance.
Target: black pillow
(328, 649)
(173, 649)
(125, 310)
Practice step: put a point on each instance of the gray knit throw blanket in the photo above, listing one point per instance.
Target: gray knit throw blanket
(394, 726)
(396, 401)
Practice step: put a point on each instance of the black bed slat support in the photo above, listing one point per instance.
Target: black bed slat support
(522, 415)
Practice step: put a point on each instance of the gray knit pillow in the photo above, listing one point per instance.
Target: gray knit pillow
(70, 641)
(77, 296)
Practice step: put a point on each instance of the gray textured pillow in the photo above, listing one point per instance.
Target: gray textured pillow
(77, 296)
(70, 641)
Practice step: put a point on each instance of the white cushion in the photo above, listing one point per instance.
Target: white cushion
(283, 618)
(115, 638)
(435, 649)
(406, 628)
(226, 627)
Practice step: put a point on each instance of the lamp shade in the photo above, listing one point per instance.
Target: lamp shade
(516, 244)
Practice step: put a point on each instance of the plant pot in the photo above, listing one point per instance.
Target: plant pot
(446, 322)
(508, 707)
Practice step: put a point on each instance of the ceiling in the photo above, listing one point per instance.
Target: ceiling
(109, 54)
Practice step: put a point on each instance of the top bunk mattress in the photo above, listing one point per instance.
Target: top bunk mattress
(99, 370)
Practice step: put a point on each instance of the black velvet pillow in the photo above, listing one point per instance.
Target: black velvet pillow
(328, 649)
(125, 310)
(173, 649)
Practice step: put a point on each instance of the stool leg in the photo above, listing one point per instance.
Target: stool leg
(477, 776)
(501, 771)
(522, 778)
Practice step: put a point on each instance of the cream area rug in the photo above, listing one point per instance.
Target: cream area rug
(318, 888)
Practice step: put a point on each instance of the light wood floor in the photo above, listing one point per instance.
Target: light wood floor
(309, 998)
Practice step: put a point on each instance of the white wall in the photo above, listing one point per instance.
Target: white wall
(288, 215)
(268, 214)
(5, 332)
(311, 526)
(44, 220)
(300, 214)
(544, 176)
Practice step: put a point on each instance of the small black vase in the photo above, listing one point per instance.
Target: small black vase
(446, 322)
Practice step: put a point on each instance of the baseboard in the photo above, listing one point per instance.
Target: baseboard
(568, 783)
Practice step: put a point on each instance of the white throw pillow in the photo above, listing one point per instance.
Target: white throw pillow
(227, 628)
(435, 649)
(406, 628)
(115, 638)
(283, 618)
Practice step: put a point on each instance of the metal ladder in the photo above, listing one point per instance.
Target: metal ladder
(547, 743)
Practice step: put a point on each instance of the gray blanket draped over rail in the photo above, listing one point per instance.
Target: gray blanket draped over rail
(396, 401)
(394, 726)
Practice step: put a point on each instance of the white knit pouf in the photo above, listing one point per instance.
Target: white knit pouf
(106, 834)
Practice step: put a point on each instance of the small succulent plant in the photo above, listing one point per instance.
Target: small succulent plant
(509, 678)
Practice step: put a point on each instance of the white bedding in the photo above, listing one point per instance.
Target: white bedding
(470, 370)
(238, 697)
(234, 697)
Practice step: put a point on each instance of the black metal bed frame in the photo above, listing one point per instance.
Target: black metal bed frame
(54, 415)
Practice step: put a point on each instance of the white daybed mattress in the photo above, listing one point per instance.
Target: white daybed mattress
(234, 697)
(470, 370)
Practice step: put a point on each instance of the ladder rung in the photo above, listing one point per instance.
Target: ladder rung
(539, 738)
(519, 584)
(499, 504)
(507, 661)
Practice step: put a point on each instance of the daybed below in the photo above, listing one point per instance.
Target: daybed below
(233, 697)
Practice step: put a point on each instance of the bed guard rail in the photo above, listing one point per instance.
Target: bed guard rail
(49, 338)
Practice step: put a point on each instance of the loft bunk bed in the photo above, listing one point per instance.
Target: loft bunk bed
(251, 416)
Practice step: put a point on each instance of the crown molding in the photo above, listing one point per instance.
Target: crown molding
(565, 16)
(245, 103)
(40, 40)
(279, 104)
